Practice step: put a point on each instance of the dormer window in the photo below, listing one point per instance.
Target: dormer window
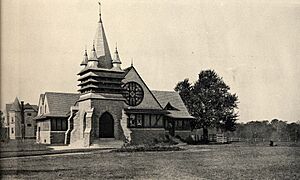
(170, 107)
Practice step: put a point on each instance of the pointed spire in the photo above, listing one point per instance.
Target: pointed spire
(93, 60)
(116, 61)
(93, 55)
(131, 62)
(101, 45)
(116, 57)
(100, 20)
(85, 59)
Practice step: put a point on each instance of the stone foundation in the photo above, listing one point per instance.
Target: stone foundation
(147, 135)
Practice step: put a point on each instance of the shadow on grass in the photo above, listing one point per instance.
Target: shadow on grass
(30, 171)
(145, 148)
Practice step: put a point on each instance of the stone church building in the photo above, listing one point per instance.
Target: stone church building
(113, 103)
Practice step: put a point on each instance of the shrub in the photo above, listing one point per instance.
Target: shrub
(144, 148)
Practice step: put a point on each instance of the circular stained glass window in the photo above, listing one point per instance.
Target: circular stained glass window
(133, 93)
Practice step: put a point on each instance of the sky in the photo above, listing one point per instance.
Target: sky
(252, 45)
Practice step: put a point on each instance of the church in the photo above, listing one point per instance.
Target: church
(113, 103)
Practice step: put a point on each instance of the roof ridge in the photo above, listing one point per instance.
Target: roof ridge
(61, 93)
(164, 91)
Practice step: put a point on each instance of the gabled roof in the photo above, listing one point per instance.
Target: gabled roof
(15, 105)
(42, 98)
(29, 106)
(35, 107)
(7, 107)
(149, 100)
(60, 103)
(172, 98)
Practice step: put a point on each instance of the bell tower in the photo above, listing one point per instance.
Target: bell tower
(101, 101)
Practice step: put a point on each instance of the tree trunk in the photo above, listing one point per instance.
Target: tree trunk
(205, 135)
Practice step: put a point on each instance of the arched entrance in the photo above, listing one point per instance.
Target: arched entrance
(106, 126)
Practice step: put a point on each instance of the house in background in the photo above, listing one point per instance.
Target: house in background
(19, 119)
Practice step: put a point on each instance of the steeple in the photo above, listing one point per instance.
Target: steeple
(100, 20)
(101, 45)
(85, 59)
(116, 61)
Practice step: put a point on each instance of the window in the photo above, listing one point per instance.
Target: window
(58, 124)
(139, 119)
(132, 120)
(28, 114)
(12, 120)
(145, 121)
(12, 130)
(29, 125)
(45, 108)
(182, 124)
(157, 121)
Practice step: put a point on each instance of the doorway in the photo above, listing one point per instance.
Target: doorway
(106, 126)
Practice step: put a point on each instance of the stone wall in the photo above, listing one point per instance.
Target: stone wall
(44, 137)
(114, 107)
(57, 137)
(147, 135)
(43, 131)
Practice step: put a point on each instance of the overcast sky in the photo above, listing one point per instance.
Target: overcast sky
(254, 46)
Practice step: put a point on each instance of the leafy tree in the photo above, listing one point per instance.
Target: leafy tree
(1, 119)
(210, 102)
(293, 130)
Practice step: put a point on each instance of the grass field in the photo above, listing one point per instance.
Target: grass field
(232, 161)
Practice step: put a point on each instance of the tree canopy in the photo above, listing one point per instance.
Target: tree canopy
(209, 100)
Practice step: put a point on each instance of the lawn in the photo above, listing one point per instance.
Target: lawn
(232, 161)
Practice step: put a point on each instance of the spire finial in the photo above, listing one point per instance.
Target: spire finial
(116, 47)
(93, 45)
(131, 62)
(85, 51)
(100, 20)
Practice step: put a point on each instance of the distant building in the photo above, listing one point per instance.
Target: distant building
(112, 103)
(19, 119)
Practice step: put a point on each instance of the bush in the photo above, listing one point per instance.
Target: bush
(144, 148)
(190, 140)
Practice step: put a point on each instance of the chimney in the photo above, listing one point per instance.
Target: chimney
(22, 121)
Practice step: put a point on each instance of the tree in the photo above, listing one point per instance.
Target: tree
(1, 119)
(210, 102)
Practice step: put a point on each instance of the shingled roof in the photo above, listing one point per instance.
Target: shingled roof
(29, 106)
(7, 107)
(59, 103)
(15, 106)
(174, 99)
